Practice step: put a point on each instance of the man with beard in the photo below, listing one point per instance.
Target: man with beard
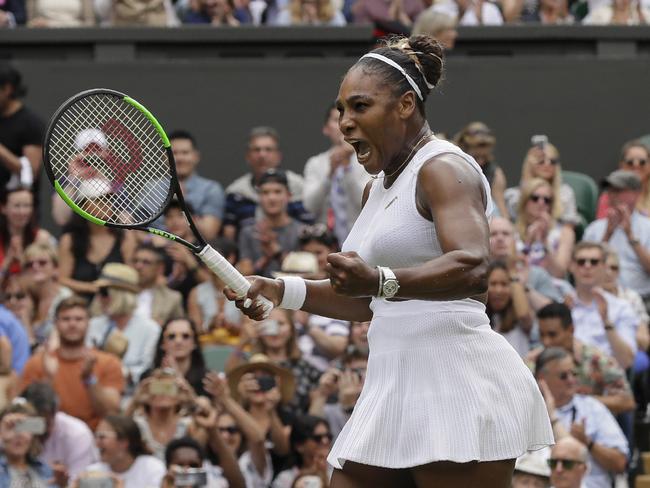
(88, 382)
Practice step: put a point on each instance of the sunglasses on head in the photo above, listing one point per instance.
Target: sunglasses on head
(231, 429)
(591, 261)
(636, 162)
(36, 262)
(537, 198)
(564, 375)
(566, 463)
(172, 336)
(319, 437)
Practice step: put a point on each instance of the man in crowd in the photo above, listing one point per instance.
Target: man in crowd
(67, 440)
(582, 417)
(600, 319)
(13, 330)
(155, 300)
(568, 462)
(88, 382)
(242, 197)
(626, 230)
(334, 181)
(598, 374)
(264, 243)
(206, 196)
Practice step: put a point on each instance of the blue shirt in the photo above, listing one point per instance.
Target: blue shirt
(35, 466)
(11, 328)
(601, 427)
(206, 196)
(632, 273)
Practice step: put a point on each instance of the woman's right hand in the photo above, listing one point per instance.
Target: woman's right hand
(271, 289)
(217, 386)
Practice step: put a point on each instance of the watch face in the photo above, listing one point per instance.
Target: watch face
(390, 288)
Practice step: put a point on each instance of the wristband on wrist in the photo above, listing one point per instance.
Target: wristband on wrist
(295, 292)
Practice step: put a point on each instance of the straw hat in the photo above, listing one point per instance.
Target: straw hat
(261, 362)
(298, 263)
(118, 275)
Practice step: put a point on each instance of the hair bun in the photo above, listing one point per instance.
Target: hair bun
(430, 55)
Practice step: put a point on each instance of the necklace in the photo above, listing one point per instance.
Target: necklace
(405, 160)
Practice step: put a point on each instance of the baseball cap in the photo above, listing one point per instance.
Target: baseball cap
(622, 180)
(533, 463)
(274, 176)
(90, 136)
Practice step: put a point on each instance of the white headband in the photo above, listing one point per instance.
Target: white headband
(399, 68)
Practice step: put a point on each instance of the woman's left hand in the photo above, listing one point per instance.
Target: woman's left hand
(352, 276)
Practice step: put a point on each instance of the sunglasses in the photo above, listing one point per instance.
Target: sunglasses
(231, 429)
(172, 336)
(613, 268)
(41, 263)
(17, 296)
(551, 161)
(319, 437)
(537, 198)
(564, 375)
(636, 162)
(566, 463)
(584, 261)
(103, 292)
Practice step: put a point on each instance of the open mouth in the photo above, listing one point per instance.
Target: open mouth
(362, 149)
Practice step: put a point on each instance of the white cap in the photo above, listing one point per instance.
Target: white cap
(94, 188)
(533, 463)
(89, 136)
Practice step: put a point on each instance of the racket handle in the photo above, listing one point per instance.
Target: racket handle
(227, 273)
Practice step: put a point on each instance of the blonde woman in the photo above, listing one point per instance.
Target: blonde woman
(60, 13)
(439, 25)
(311, 12)
(545, 164)
(541, 236)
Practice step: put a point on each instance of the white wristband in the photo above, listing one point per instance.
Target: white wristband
(295, 292)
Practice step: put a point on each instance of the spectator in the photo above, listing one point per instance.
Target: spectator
(215, 12)
(310, 443)
(334, 180)
(179, 349)
(401, 13)
(601, 319)
(13, 330)
(550, 12)
(469, 13)
(344, 385)
(546, 241)
(582, 417)
(358, 337)
(619, 12)
(508, 308)
(150, 13)
(18, 300)
(12, 14)
(67, 441)
(626, 230)
(538, 284)
(545, 164)
(58, 13)
(88, 382)
(568, 463)
(8, 378)
(206, 196)
(21, 133)
(310, 12)
(156, 300)
(19, 462)
(307, 478)
(276, 339)
(531, 471)
(263, 244)
(117, 299)
(263, 153)
(124, 455)
(477, 140)
(597, 374)
(635, 156)
(439, 25)
(18, 228)
(319, 241)
(41, 267)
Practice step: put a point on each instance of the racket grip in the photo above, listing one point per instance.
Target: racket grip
(227, 273)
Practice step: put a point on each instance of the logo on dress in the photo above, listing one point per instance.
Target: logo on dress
(390, 203)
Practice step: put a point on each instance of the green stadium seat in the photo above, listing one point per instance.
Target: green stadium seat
(586, 192)
(216, 356)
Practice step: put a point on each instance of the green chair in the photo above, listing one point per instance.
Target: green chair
(216, 356)
(586, 192)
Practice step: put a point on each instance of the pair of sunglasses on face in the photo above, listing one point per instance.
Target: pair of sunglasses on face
(567, 464)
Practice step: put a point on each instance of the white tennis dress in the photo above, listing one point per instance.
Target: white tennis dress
(441, 384)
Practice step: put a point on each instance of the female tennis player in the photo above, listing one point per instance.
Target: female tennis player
(446, 402)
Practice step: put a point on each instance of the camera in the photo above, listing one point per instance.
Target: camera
(270, 328)
(31, 425)
(163, 387)
(266, 382)
(191, 477)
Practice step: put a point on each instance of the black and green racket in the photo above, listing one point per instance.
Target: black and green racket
(110, 160)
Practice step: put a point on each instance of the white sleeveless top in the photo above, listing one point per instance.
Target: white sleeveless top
(391, 232)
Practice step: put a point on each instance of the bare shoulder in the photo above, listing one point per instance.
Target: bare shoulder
(366, 192)
(449, 177)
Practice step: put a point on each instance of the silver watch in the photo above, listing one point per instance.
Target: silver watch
(389, 284)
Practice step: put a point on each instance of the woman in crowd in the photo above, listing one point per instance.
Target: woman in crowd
(359, 335)
(619, 12)
(439, 25)
(508, 308)
(310, 12)
(545, 164)
(546, 241)
(124, 455)
(17, 298)
(18, 228)
(310, 443)
(19, 462)
(635, 156)
(41, 270)
(60, 13)
(179, 349)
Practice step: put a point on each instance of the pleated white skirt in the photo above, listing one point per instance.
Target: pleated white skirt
(441, 385)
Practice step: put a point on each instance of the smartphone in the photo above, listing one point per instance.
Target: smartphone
(266, 382)
(270, 328)
(540, 141)
(191, 477)
(163, 387)
(31, 425)
(96, 482)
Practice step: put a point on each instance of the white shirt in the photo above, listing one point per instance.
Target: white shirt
(71, 442)
(145, 301)
(145, 472)
(331, 327)
(490, 13)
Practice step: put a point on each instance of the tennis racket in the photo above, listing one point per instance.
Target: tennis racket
(110, 160)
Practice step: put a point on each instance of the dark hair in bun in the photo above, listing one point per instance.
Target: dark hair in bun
(422, 57)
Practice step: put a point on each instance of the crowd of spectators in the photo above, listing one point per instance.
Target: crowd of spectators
(435, 17)
(105, 334)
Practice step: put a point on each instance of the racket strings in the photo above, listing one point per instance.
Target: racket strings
(110, 160)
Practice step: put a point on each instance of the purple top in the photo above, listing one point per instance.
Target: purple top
(369, 11)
